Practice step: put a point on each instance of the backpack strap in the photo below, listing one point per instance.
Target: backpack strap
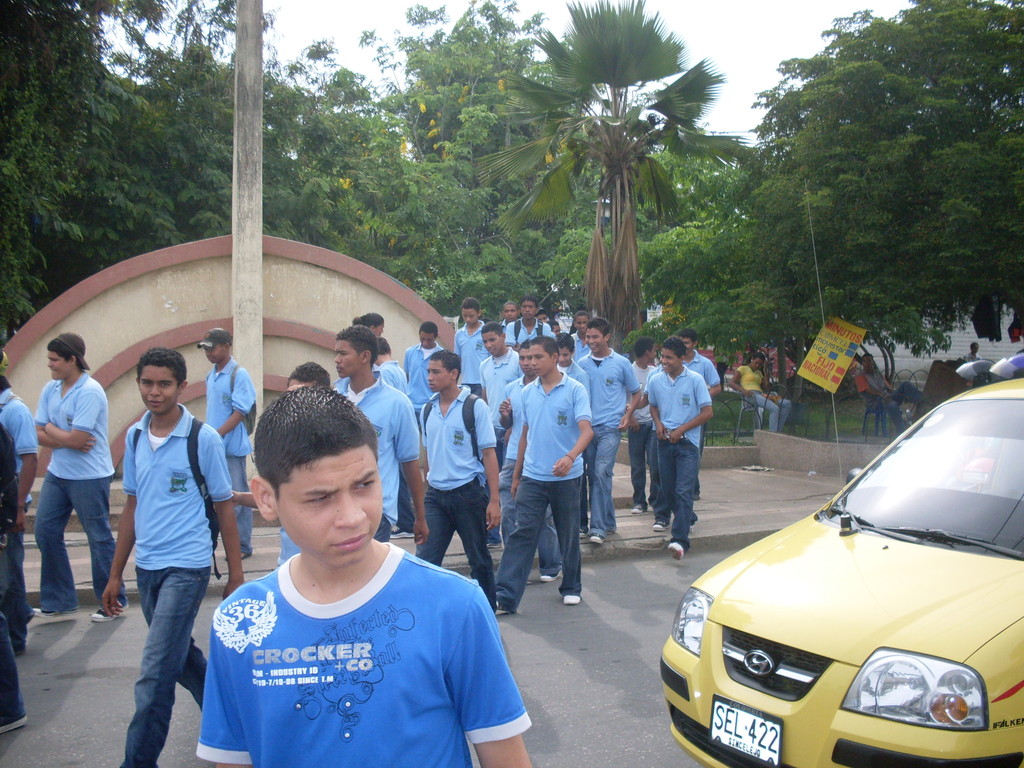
(516, 328)
(468, 420)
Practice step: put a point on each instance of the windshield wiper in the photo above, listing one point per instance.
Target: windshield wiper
(946, 537)
(850, 524)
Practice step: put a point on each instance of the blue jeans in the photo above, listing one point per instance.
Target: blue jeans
(547, 546)
(462, 510)
(12, 707)
(602, 450)
(533, 497)
(679, 463)
(496, 536)
(91, 500)
(170, 600)
(778, 413)
(14, 604)
(643, 456)
(406, 516)
(243, 515)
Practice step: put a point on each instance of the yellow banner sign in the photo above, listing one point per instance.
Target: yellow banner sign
(832, 353)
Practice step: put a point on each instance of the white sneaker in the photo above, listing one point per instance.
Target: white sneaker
(596, 538)
(571, 600)
(659, 527)
(676, 550)
(545, 577)
(39, 615)
(638, 510)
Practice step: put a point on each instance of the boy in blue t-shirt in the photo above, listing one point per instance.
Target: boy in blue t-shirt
(354, 652)
(164, 519)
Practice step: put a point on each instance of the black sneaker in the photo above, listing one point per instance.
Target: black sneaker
(10, 723)
(53, 616)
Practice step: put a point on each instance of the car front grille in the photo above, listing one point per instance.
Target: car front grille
(792, 671)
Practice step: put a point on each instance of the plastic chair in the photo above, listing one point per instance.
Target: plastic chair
(875, 406)
(747, 406)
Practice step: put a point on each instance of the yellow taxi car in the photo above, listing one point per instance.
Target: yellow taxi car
(887, 629)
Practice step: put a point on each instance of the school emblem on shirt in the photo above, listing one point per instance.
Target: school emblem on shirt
(179, 482)
(684, 399)
(459, 437)
(378, 430)
(563, 418)
(609, 382)
(245, 622)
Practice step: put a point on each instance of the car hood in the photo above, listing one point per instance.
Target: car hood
(845, 596)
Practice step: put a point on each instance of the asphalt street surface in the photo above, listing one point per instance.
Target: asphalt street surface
(589, 676)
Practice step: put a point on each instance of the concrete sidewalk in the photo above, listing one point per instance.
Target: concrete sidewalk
(737, 507)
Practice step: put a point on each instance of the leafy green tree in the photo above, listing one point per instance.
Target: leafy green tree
(599, 108)
(901, 142)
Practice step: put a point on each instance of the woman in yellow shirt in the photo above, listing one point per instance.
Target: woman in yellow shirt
(749, 382)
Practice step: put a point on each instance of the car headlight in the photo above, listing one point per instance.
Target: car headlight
(688, 628)
(920, 690)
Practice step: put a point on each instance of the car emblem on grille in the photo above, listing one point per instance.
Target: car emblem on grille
(758, 663)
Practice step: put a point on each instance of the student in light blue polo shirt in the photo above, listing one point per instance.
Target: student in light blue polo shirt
(230, 395)
(16, 418)
(680, 405)
(415, 364)
(528, 326)
(469, 345)
(511, 411)
(72, 420)
(695, 362)
(614, 395)
(579, 322)
(390, 412)
(456, 499)
(556, 430)
(165, 520)
(390, 371)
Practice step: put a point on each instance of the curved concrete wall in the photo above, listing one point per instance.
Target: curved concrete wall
(173, 296)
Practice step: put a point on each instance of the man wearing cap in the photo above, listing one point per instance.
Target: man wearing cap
(72, 420)
(229, 397)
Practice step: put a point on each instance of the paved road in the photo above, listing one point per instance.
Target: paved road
(589, 675)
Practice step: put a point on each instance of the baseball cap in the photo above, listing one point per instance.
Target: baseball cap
(214, 337)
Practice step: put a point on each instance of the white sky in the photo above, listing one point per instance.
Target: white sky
(745, 39)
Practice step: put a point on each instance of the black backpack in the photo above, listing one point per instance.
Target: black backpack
(8, 482)
(468, 419)
(192, 447)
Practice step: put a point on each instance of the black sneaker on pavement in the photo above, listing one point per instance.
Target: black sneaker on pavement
(399, 534)
(53, 616)
(659, 526)
(9, 724)
(101, 616)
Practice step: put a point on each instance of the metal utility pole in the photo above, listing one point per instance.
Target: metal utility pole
(247, 194)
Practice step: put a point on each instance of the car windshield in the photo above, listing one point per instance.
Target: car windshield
(960, 471)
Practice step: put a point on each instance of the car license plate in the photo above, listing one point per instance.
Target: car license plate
(747, 730)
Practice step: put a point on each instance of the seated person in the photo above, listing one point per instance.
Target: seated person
(872, 384)
(749, 382)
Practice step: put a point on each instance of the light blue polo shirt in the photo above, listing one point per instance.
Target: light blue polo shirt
(450, 446)
(582, 349)
(703, 368)
(553, 418)
(393, 375)
(575, 372)
(495, 375)
(610, 383)
(84, 408)
(171, 529)
(471, 351)
(16, 418)
(221, 402)
(539, 329)
(416, 371)
(678, 400)
(514, 394)
(398, 437)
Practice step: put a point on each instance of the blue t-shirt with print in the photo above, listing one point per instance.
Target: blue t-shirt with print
(495, 375)
(402, 672)
(471, 351)
(678, 400)
(16, 418)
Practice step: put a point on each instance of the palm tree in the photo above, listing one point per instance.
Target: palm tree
(601, 106)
